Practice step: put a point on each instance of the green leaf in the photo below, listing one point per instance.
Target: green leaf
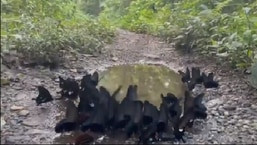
(250, 53)
(247, 33)
(236, 44)
(206, 12)
(246, 9)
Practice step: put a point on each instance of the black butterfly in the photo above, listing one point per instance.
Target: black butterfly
(191, 79)
(44, 96)
(185, 76)
(208, 81)
(70, 88)
(89, 80)
(69, 123)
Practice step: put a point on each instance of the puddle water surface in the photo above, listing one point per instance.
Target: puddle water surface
(152, 80)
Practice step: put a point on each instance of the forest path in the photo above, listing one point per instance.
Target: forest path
(232, 108)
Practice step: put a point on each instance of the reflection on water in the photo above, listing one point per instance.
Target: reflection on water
(152, 80)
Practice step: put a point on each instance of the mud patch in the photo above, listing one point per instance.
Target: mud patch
(152, 80)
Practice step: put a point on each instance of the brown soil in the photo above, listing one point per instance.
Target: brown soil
(232, 108)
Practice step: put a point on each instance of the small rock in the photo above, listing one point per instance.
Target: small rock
(58, 114)
(111, 55)
(215, 142)
(220, 108)
(17, 87)
(20, 96)
(77, 78)
(114, 59)
(213, 112)
(214, 129)
(37, 131)
(235, 99)
(152, 56)
(15, 79)
(142, 61)
(222, 117)
(30, 123)
(36, 82)
(254, 125)
(214, 102)
(15, 108)
(88, 55)
(232, 121)
(254, 106)
(227, 90)
(235, 117)
(2, 121)
(12, 122)
(80, 69)
(245, 126)
(74, 70)
(24, 113)
(56, 79)
(246, 122)
(247, 105)
(244, 86)
(210, 138)
(226, 113)
(229, 107)
(221, 129)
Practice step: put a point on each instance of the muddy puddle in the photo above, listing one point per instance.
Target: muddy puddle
(152, 80)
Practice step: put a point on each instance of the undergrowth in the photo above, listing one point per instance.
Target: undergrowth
(43, 31)
(223, 28)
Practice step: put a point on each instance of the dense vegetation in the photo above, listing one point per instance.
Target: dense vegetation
(43, 30)
(223, 28)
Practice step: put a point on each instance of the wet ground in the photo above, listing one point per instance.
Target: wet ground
(232, 108)
(152, 80)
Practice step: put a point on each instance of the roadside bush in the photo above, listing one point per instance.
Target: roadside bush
(43, 30)
(146, 16)
(225, 29)
(114, 10)
(228, 33)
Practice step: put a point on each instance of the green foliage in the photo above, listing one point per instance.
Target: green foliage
(225, 28)
(253, 76)
(91, 7)
(114, 10)
(42, 30)
(145, 16)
